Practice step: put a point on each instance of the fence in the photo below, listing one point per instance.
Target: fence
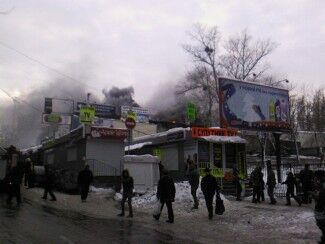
(295, 168)
(100, 168)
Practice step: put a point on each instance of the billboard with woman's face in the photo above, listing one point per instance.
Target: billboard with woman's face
(251, 106)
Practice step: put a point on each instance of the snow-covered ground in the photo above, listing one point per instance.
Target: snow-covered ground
(242, 222)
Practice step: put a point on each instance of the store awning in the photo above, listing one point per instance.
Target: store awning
(224, 139)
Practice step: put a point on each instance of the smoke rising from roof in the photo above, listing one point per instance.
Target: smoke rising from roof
(120, 96)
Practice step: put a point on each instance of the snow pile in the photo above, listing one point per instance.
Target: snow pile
(101, 190)
(137, 146)
(222, 139)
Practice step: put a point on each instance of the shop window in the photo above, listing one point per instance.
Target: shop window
(50, 158)
(217, 155)
(72, 154)
(231, 157)
(203, 154)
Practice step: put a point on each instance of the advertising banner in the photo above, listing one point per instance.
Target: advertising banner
(58, 119)
(102, 110)
(252, 106)
(87, 115)
(58, 106)
(108, 133)
(141, 115)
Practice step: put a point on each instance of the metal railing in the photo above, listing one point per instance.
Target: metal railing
(100, 168)
(295, 168)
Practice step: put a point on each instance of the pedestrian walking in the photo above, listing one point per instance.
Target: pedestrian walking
(128, 185)
(48, 183)
(166, 195)
(161, 169)
(271, 182)
(262, 187)
(13, 180)
(27, 171)
(255, 181)
(194, 181)
(209, 187)
(237, 183)
(85, 177)
(320, 209)
(306, 177)
(291, 182)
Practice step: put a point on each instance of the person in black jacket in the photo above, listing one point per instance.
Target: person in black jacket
(237, 184)
(194, 181)
(271, 182)
(320, 209)
(48, 184)
(85, 177)
(13, 180)
(166, 195)
(306, 177)
(209, 187)
(291, 183)
(128, 185)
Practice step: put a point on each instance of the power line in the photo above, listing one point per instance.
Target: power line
(21, 101)
(45, 65)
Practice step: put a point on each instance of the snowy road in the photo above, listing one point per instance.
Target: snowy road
(40, 224)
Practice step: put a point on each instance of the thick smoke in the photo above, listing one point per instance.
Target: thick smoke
(22, 123)
(120, 97)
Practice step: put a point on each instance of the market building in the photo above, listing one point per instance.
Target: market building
(219, 149)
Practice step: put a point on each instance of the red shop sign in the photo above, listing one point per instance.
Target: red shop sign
(108, 133)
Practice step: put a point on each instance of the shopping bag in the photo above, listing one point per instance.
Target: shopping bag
(157, 208)
(220, 207)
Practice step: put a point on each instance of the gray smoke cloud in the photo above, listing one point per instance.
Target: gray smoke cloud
(120, 96)
(22, 123)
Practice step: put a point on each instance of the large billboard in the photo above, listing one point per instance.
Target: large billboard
(251, 106)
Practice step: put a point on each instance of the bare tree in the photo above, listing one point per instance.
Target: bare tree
(201, 86)
(244, 57)
(204, 47)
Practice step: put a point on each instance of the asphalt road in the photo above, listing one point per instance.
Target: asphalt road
(39, 224)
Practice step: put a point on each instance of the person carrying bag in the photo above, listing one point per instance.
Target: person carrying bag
(220, 207)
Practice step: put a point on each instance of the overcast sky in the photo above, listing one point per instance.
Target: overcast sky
(107, 42)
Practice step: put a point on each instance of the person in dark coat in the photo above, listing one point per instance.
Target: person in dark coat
(194, 181)
(128, 185)
(320, 208)
(262, 187)
(306, 177)
(237, 184)
(48, 183)
(291, 183)
(271, 182)
(209, 187)
(161, 169)
(27, 171)
(166, 195)
(85, 177)
(13, 180)
(255, 180)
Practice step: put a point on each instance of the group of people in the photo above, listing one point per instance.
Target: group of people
(19, 172)
(166, 192)
(305, 178)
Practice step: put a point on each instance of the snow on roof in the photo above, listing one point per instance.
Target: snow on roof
(146, 158)
(220, 139)
(137, 146)
(165, 133)
(32, 149)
